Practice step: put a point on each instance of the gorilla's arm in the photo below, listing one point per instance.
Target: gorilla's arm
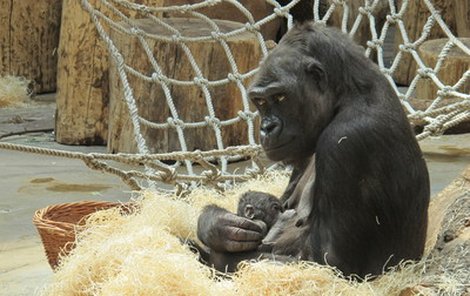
(223, 231)
(297, 173)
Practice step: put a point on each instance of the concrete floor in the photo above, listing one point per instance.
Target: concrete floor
(29, 182)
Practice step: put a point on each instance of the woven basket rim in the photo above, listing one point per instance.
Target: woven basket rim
(58, 236)
(40, 220)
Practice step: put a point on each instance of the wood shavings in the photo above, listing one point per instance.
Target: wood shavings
(14, 91)
(142, 254)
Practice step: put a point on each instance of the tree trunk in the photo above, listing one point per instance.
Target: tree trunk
(453, 68)
(29, 36)
(226, 11)
(462, 17)
(189, 101)
(415, 16)
(363, 33)
(82, 80)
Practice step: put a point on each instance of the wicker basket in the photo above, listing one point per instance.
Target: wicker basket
(56, 225)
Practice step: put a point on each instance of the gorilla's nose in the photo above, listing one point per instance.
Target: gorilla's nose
(270, 127)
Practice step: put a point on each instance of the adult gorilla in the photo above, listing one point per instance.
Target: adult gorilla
(326, 108)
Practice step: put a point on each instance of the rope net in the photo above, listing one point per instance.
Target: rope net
(118, 20)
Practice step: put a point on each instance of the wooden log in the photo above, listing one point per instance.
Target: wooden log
(189, 101)
(414, 18)
(82, 86)
(363, 33)
(29, 36)
(462, 17)
(226, 11)
(448, 237)
(454, 66)
(82, 78)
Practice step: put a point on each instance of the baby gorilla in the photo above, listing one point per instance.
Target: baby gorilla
(266, 211)
(260, 206)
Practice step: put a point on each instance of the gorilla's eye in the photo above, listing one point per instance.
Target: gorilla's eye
(259, 101)
(277, 207)
(280, 98)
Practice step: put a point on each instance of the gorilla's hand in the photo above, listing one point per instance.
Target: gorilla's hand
(223, 231)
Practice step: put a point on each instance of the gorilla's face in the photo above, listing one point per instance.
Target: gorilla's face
(262, 206)
(294, 110)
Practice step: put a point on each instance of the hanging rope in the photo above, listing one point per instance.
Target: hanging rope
(108, 15)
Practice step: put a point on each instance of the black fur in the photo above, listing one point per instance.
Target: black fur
(326, 108)
(266, 207)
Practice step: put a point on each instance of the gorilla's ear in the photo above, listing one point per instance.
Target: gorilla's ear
(315, 68)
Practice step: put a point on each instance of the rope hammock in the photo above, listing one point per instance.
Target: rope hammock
(112, 15)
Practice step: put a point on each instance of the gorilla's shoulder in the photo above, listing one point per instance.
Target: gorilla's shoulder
(354, 136)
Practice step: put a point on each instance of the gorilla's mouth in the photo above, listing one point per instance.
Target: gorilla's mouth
(270, 148)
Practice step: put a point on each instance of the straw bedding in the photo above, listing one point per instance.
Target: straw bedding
(141, 254)
(14, 91)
